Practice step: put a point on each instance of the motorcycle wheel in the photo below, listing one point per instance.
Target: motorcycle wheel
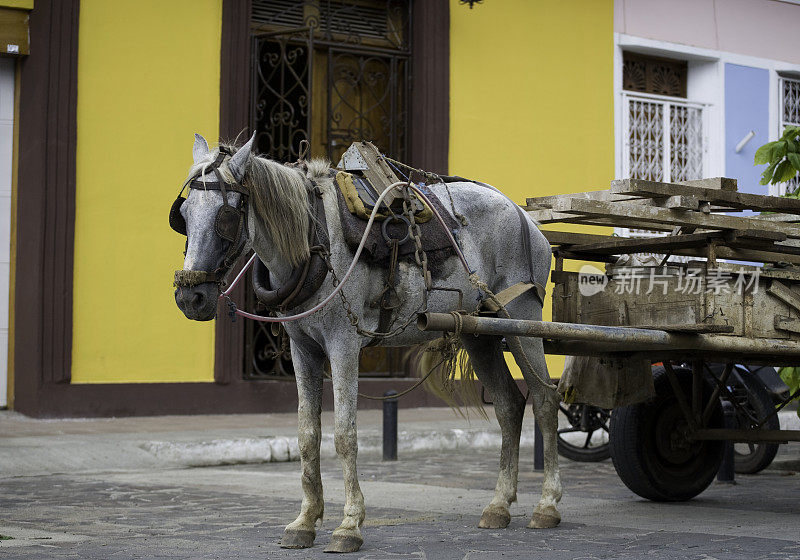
(584, 435)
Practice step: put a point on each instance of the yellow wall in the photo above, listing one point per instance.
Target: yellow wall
(148, 78)
(22, 4)
(531, 98)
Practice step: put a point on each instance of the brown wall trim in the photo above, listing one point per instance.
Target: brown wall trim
(430, 85)
(234, 118)
(46, 203)
(145, 399)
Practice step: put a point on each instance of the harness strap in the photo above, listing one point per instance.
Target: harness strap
(503, 298)
(191, 278)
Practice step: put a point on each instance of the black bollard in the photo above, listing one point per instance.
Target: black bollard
(390, 427)
(726, 474)
(538, 448)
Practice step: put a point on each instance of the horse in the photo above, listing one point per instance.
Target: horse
(274, 217)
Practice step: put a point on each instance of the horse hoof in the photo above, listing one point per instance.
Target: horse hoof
(298, 538)
(344, 543)
(544, 521)
(494, 518)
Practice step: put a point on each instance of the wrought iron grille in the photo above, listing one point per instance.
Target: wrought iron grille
(330, 72)
(790, 116)
(660, 76)
(664, 140)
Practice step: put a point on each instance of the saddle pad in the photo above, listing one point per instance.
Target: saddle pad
(360, 197)
(377, 251)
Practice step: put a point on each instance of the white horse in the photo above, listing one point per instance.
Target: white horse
(276, 213)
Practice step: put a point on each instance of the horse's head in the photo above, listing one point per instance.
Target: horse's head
(214, 219)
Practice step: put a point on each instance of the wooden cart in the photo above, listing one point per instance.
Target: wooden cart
(688, 308)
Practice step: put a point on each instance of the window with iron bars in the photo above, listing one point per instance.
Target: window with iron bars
(664, 135)
(790, 116)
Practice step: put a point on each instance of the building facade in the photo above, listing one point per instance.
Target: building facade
(535, 97)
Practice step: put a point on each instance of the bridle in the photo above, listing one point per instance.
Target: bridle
(230, 223)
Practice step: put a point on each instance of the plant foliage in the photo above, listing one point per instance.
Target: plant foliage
(782, 157)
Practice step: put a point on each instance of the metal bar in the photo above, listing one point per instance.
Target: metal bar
(390, 427)
(746, 436)
(779, 408)
(678, 390)
(538, 448)
(726, 472)
(697, 389)
(624, 338)
(715, 395)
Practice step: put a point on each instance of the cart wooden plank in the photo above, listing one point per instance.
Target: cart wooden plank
(678, 201)
(654, 215)
(751, 255)
(744, 201)
(723, 183)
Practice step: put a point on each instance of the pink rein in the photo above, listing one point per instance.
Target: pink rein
(324, 302)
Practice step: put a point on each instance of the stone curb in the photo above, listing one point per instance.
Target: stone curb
(282, 449)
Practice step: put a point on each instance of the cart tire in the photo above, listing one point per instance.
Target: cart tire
(760, 455)
(647, 455)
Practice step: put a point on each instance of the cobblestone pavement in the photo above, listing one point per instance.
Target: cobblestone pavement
(423, 506)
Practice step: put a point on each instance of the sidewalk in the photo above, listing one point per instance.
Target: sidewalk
(39, 447)
(32, 447)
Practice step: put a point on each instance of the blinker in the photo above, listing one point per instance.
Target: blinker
(176, 220)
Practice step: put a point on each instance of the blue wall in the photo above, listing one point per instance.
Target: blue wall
(746, 109)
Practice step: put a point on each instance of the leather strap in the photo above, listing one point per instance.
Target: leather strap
(190, 278)
(511, 293)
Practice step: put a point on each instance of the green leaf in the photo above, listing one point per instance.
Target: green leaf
(763, 153)
(791, 132)
(766, 176)
(784, 172)
(779, 150)
(794, 159)
(791, 146)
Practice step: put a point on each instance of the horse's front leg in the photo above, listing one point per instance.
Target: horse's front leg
(308, 366)
(344, 370)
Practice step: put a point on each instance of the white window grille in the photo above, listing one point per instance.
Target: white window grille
(664, 138)
(790, 116)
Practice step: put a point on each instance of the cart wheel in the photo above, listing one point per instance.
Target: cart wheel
(649, 449)
(751, 458)
(583, 433)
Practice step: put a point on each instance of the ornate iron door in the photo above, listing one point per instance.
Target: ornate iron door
(330, 72)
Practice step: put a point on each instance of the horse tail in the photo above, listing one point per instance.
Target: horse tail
(450, 375)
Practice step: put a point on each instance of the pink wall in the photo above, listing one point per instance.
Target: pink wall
(763, 28)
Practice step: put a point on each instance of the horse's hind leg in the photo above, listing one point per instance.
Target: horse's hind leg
(487, 359)
(530, 358)
(344, 370)
(308, 364)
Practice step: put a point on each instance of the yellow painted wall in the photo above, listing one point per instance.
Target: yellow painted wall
(531, 98)
(21, 4)
(148, 78)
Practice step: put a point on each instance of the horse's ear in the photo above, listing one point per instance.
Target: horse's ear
(200, 148)
(238, 161)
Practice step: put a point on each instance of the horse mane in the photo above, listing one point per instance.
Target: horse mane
(278, 197)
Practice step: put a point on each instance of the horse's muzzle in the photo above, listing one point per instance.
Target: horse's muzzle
(199, 302)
